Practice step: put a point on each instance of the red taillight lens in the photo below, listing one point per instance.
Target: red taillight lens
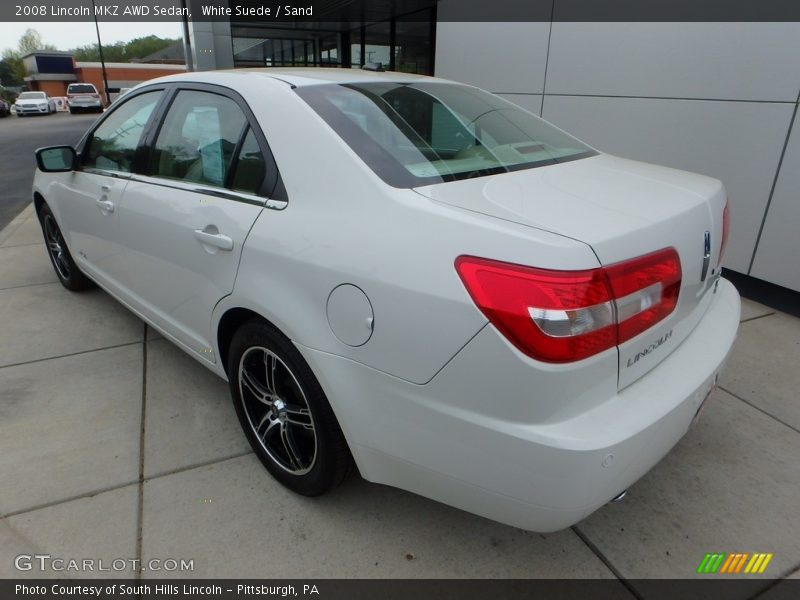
(564, 316)
(726, 229)
(519, 300)
(95, 95)
(645, 290)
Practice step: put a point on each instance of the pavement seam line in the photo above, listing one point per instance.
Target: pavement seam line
(92, 493)
(772, 314)
(604, 559)
(38, 360)
(759, 409)
(140, 505)
(26, 285)
(5, 246)
(208, 463)
(775, 582)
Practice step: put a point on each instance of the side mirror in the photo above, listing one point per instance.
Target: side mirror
(56, 159)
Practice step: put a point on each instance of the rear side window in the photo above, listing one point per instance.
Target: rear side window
(198, 139)
(81, 88)
(113, 144)
(251, 168)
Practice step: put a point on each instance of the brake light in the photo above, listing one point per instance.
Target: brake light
(95, 95)
(564, 316)
(726, 229)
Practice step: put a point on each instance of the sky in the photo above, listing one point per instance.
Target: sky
(65, 36)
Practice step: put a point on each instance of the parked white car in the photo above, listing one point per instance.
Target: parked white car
(34, 103)
(409, 275)
(83, 97)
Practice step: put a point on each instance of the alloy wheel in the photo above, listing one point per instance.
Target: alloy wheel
(277, 410)
(56, 247)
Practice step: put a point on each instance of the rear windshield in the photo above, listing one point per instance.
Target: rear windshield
(32, 96)
(81, 88)
(423, 133)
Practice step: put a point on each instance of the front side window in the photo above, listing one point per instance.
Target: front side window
(423, 133)
(198, 138)
(112, 146)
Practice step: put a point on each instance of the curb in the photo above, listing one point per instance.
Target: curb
(15, 224)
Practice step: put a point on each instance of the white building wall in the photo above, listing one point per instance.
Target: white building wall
(714, 98)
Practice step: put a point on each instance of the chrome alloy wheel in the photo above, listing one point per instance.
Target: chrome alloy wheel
(277, 410)
(56, 247)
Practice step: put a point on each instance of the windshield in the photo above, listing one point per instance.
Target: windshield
(81, 88)
(422, 133)
(32, 96)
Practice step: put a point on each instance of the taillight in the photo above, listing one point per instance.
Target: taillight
(726, 229)
(564, 316)
(95, 95)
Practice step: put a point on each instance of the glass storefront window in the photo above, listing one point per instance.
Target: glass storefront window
(404, 44)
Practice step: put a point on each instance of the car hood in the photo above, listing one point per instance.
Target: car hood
(622, 209)
(31, 102)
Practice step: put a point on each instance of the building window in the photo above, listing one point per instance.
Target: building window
(404, 43)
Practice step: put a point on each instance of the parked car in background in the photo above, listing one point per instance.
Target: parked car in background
(408, 273)
(34, 103)
(83, 97)
(5, 108)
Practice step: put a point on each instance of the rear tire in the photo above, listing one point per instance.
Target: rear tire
(66, 270)
(284, 412)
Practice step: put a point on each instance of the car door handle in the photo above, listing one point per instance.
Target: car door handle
(105, 205)
(105, 188)
(221, 241)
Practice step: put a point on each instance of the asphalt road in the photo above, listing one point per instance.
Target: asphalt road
(19, 137)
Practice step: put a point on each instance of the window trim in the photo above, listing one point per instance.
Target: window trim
(272, 187)
(83, 144)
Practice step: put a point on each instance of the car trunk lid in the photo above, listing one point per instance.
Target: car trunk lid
(623, 209)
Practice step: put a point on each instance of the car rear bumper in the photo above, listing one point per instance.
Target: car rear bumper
(85, 104)
(542, 474)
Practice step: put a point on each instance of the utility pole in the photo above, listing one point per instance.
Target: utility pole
(100, 48)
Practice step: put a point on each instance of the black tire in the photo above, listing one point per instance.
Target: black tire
(68, 273)
(72, 111)
(255, 345)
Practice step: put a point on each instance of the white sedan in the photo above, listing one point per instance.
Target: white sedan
(407, 275)
(34, 103)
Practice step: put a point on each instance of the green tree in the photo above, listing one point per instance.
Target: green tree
(12, 69)
(123, 51)
(31, 41)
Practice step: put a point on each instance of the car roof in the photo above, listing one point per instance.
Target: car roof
(303, 76)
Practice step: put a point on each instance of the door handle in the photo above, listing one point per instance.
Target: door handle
(105, 188)
(221, 241)
(105, 205)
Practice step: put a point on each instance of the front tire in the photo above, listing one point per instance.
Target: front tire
(66, 270)
(284, 412)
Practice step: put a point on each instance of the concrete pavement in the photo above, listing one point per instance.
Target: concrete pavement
(114, 444)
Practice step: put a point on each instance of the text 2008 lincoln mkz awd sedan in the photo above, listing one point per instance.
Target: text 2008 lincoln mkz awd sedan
(409, 275)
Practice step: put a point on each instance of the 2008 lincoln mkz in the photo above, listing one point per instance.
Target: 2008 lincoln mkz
(406, 275)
